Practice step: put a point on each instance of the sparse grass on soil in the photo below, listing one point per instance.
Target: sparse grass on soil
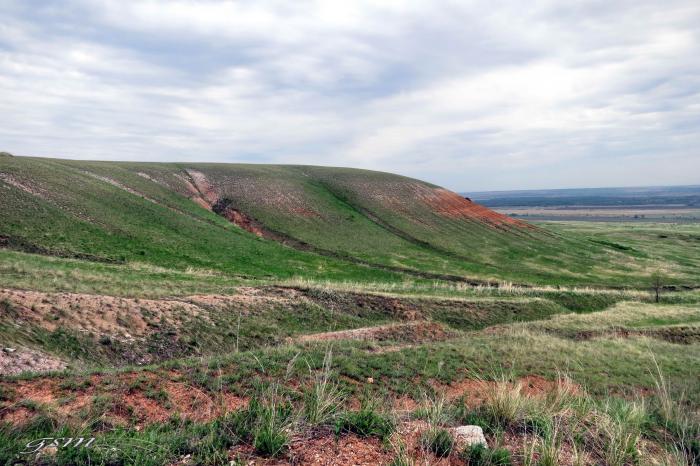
(615, 408)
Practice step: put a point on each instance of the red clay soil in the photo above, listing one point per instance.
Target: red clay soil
(130, 393)
(129, 400)
(241, 220)
(452, 205)
(475, 391)
(322, 449)
(131, 405)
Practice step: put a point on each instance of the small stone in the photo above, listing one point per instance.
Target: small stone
(466, 436)
(50, 450)
(9, 350)
(370, 380)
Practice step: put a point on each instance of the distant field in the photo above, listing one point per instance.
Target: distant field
(679, 204)
(663, 214)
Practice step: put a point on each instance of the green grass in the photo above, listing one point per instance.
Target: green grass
(242, 326)
(439, 441)
(108, 213)
(368, 421)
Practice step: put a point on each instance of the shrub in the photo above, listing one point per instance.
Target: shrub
(439, 441)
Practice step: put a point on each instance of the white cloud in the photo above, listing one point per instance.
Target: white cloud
(473, 95)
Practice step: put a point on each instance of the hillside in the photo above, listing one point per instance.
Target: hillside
(254, 314)
(269, 221)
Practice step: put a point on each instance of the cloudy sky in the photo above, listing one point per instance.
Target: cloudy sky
(472, 95)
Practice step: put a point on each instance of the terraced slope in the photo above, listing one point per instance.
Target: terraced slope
(281, 221)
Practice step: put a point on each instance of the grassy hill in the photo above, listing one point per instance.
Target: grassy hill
(275, 222)
(225, 314)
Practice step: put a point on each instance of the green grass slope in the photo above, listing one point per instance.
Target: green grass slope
(339, 224)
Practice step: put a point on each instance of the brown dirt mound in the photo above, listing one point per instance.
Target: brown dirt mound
(119, 317)
(681, 335)
(348, 302)
(412, 331)
(131, 322)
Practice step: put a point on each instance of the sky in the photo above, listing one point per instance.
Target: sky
(470, 95)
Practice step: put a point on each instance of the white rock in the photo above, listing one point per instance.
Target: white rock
(9, 350)
(469, 435)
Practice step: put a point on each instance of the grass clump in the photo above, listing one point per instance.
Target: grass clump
(438, 441)
(324, 399)
(403, 456)
(507, 405)
(267, 422)
(680, 428)
(367, 422)
(548, 449)
(479, 455)
(614, 431)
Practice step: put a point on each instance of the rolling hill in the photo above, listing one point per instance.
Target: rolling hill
(272, 221)
(171, 312)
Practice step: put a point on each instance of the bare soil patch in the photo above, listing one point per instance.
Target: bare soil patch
(135, 398)
(32, 189)
(27, 360)
(418, 331)
(452, 205)
(476, 391)
(323, 449)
